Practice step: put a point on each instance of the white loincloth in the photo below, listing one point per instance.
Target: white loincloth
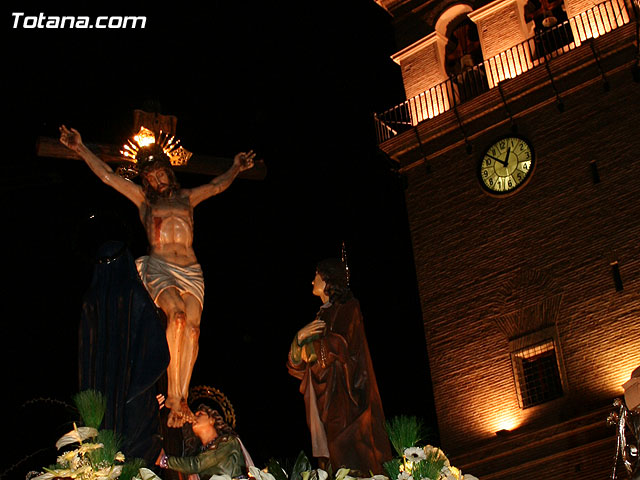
(158, 275)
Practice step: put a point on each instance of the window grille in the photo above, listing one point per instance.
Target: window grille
(537, 370)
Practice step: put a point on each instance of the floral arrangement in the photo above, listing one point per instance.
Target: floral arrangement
(302, 470)
(97, 456)
(415, 462)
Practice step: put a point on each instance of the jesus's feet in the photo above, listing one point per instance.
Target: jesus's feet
(180, 413)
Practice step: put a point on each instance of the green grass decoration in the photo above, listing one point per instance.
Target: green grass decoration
(392, 467)
(404, 432)
(430, 467)
(131, 468)
(111, 445)
(91, 405)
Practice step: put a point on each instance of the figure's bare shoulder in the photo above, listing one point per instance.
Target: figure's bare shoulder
(203, 192)
(184, 197)
(186, 193)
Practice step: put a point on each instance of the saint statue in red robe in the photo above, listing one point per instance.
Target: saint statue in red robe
(331, 358)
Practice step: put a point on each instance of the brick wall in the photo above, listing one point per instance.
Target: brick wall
(501, 25)
(422, 64)
(468, 245)
(575, 7)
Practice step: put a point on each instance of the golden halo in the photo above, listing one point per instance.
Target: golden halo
(210, 395)
(146, 138)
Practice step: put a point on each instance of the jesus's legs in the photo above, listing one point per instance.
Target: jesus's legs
(189, 348)
(183, 321)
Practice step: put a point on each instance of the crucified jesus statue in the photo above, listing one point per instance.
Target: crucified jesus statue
(170, 272)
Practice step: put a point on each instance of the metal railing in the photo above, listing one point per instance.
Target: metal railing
(457, 89)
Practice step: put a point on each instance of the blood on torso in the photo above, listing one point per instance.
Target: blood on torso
(169, 226)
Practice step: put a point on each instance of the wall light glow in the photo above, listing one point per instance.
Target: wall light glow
(508, 423)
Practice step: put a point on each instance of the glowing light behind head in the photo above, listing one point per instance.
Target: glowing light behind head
(146, 138)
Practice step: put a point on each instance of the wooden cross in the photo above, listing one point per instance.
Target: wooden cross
(198, 163)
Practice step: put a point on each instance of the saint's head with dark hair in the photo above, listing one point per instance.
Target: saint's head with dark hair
(334, 274)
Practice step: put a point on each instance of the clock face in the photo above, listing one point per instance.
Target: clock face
(506, 165)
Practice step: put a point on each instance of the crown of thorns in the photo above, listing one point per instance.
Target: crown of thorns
(145, 148)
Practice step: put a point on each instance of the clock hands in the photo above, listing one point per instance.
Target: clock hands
(503, 162)
(512, 172)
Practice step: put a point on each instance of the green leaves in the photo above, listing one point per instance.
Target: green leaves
(302, 464)
(275, 469)
(404, 432)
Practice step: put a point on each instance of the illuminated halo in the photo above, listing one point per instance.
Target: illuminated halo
(209, 395)
(145, 141)
(343, 257)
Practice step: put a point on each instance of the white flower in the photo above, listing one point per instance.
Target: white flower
(146, 474)
(67, 457)
(404, 476)
(88, 447)
(108, 473)
(44, 476)
(320, 474)
(258, 474)
(76, 435)
(414, 454)
(342, 473)
(449, 473)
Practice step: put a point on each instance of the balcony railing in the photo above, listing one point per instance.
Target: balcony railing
(550, 43)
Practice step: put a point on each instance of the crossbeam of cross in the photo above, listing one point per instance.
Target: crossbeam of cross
(198, 163)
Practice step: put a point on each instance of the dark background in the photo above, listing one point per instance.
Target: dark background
(297, 82)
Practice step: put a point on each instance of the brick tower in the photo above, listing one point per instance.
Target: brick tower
(519, 142)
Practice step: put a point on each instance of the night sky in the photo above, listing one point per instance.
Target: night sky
(298, 83)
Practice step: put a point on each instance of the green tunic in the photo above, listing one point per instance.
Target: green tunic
(224, 456)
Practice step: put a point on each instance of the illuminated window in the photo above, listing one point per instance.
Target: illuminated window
(537, 368)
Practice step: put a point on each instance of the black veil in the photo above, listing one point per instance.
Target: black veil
(123, 351)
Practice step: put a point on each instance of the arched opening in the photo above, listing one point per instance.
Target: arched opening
(463, 49)
(463, 52)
